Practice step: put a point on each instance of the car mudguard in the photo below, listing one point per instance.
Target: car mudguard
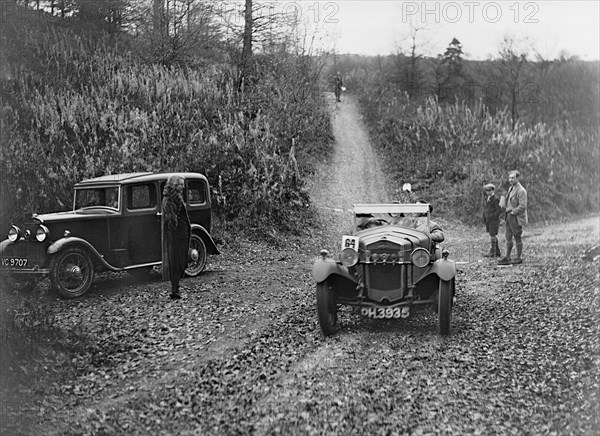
(211, 247)
(323, 268)
(62, 243)
(445, 269)
(4, 244)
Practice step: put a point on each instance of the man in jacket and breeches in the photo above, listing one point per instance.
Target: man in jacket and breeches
(516, 217)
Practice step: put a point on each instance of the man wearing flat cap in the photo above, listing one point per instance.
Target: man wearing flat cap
(491, 218)
(516, 217)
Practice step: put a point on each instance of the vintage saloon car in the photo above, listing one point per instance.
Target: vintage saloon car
(386, 268)
(115, 225)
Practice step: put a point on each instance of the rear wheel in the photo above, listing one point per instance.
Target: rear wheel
(326, 308)
(71, 272)
(444, 297)
(197, 260)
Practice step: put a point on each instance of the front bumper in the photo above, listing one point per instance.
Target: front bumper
(23, 257)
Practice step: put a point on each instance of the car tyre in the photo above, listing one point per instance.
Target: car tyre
(444, 297)
(71, 272)
(195, 267)
(326, 308)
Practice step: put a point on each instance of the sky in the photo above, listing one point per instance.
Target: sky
(550, 28)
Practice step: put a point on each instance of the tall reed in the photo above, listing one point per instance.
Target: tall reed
(450, 151)
(74, 108)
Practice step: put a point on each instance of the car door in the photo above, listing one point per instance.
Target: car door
(143, 222)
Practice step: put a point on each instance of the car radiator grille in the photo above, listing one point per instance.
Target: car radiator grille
(387, 277)
(35, 252)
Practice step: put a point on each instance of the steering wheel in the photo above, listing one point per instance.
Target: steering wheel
(374, 222)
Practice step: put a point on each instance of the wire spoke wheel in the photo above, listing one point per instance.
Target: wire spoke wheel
(71, 272)
(197, 261)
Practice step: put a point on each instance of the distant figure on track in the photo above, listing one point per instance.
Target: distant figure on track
(338, 84)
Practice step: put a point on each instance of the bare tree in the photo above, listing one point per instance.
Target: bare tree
(408, 64)
(513, 59)
(263, 28)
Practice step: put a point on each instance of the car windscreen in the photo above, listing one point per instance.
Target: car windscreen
(97, 196)
(370, 220)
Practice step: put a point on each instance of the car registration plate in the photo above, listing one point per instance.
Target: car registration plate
(381, 312)
(13, 262)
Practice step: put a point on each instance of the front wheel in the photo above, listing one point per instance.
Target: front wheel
(71, 272)
(197, 260)
(326, 308)
(445, 294)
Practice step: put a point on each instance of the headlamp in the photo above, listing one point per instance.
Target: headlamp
(42, 233)
(349, 257)
(14, 233)
(420, 257)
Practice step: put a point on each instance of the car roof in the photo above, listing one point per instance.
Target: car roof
(125, 178)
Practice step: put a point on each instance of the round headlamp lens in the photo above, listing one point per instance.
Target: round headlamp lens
(13, 233)
(420, 257)
(41, 233)
(349, 257)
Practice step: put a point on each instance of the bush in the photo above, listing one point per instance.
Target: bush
(75, 108)
(450, 151)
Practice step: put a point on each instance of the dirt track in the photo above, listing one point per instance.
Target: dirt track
(243, 353)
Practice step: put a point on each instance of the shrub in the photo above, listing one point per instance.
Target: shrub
(75, 108)
(450, 151)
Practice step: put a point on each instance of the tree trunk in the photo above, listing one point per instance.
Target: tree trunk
(247, 44)
(159, 17)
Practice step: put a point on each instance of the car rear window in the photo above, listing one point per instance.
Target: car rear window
(141, 196)
(196, 192)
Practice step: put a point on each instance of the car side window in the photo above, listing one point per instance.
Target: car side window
(196, 192)
(141, 196)
(161, 186)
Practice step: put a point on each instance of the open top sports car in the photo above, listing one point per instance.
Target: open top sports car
(115, 225)
(391, 264)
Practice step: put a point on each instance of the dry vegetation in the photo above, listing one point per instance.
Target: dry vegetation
(74, 108)
(451, 151)
(243, 353)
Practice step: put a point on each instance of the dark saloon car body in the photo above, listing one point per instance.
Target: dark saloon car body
(386, 268)
(115, 225)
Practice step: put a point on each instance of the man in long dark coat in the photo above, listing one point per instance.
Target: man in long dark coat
(177, 231)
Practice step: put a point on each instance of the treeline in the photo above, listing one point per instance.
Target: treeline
(450, 125)
(80, 103)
